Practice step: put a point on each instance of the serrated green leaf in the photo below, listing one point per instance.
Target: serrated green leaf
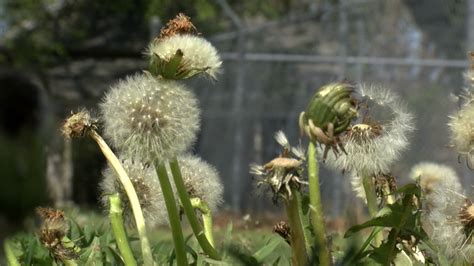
(115, 257)
(93, 254)
(267, 249)
(31, 247)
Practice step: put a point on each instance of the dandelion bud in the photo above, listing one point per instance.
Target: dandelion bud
(150, 118)
(145, 182)
(332, 104)
(201, 180)
(182, 57)
(283, 229)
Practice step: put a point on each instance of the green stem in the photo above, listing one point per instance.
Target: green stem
(299, 256)
(317, 219)
(371, 197)
(9, 254)
(388, 193)
(131, 194)
(116, 220)
(206, 218)
(189, 211)
(305, 224)
(70, 263)
(173, 214)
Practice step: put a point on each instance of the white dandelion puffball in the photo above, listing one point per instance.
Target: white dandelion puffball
(433, 176)
(371, 148)
(201, 180)
(442, 201)
(149, 118)
(145, 182)
(198, 53)
(461, 125)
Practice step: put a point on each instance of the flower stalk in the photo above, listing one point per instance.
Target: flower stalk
(204, 242)
(297, 236)
(9, 255)
(206, 218)
(317, 219)
(371, 197)
(131, 193)
(116, 220)
(173, 215)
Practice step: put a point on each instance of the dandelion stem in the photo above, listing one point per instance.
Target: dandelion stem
(116, 220)
(10, 256)
(206, 218)
(371, 197)
(173, 215)
(299, 255)
(131, 194)
(317, 219)
(189, 211)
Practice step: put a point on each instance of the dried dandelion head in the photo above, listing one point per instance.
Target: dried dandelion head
(145, 182)
(53, 230)
(201, 180)
(371, 147)
(78, 124)
(466, 216)
(282, 173)
(383, 184)
(149, 118)
(181, 24)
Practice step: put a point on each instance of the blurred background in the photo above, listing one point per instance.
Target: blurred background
(60, 55)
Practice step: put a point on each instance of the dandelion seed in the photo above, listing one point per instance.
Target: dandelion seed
(155, 129)
(145, 182)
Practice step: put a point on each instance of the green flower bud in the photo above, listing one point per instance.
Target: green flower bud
(329, 113)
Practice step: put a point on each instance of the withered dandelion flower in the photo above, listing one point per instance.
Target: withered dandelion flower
(53, 230)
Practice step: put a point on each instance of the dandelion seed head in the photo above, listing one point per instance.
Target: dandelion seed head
(198, 53)
(201, 180)
(432, 176)
(149, 118)
(461, 125)
(145, 182)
